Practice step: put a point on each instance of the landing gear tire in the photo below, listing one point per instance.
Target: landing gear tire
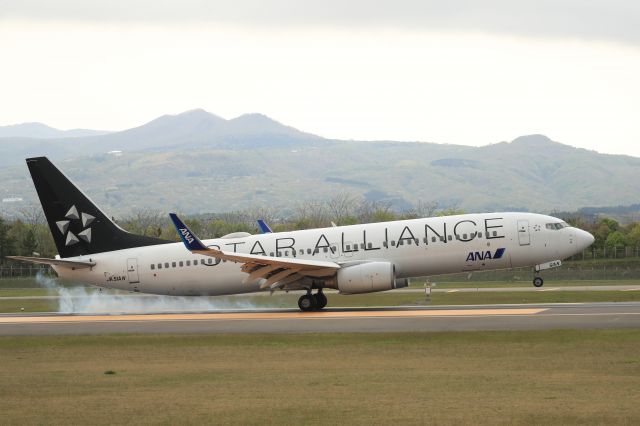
(307, 303)
(321, 300)
(538, 282)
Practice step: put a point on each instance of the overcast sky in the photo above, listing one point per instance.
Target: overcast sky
(461, 71)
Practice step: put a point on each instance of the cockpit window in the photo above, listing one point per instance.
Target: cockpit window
(557, 226)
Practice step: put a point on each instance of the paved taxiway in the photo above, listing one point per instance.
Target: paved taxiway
(442, 318)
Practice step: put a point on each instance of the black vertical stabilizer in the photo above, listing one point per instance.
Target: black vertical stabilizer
(77, 224)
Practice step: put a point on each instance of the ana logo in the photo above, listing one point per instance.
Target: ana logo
(484, 255)
(187, 235)
(84, 235)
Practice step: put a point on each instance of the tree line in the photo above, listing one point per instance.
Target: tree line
(29, 234)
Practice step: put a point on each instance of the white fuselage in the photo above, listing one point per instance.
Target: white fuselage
(417, 247)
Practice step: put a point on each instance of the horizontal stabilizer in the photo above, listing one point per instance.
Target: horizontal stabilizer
(74, 264)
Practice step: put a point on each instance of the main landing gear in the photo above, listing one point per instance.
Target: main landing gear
(538, 281)
(312, 302)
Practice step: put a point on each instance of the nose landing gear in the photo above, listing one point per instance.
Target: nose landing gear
(537, 280)
(312, 302)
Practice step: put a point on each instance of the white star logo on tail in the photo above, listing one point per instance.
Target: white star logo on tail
(84, 235)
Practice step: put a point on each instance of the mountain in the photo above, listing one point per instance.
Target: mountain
(192, 129)
(197, 162)
(42, 131)
(199, 128)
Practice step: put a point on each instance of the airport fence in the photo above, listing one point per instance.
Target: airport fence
(620, 252)
(567, 272)
(622, 263)
(24, 271)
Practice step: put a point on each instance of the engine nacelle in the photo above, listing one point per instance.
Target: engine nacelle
(368, 277)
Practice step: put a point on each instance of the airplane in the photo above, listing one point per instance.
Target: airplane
(352, 259)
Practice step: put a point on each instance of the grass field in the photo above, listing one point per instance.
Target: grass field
(28, 287)
(506, 284)
(373, 299)
(549, 377)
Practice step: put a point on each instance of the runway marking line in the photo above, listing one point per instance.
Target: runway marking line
(631, 289)
(549, 289)
(272, 315)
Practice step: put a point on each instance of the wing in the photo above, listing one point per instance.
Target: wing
(276, 271)
(73, 264)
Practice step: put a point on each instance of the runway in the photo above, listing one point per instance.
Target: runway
(401, 319)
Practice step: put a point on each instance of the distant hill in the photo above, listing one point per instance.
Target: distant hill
(197, 162)
(192, 129)
(42, 131)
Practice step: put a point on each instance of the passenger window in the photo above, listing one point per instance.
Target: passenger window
(442, 239)
(362, 245)
(348, 247)
(188, 263)
(308, 251)
(495, 233)
(333, 249)
(464, 236)
(326, 249)
(181, 264)
(271, 254)
(159, 265)
(173, 264)
(385, 244)
(209, 261)
(316, 251)
(433, 239)
(401, 243)
(369, 245)
(153, 266)
(449, 237)
(393, 243)
(202, 261)
(278, 254)
(301, 251)
(166, 264)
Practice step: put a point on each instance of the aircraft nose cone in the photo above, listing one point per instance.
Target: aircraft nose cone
(584, 239)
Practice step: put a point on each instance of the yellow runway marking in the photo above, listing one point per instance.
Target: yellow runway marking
(270, 315)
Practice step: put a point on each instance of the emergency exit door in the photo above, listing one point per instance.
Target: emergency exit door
(132, 271)
(523, 233)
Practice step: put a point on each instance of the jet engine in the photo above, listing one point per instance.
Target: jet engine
(369, 277)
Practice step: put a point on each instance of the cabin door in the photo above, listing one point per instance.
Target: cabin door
(523, 233)
(132, 271)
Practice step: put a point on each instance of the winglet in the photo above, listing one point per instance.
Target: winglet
(264, 228)
(191, 242)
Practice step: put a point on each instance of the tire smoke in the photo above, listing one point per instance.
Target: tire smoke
(87, 300)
